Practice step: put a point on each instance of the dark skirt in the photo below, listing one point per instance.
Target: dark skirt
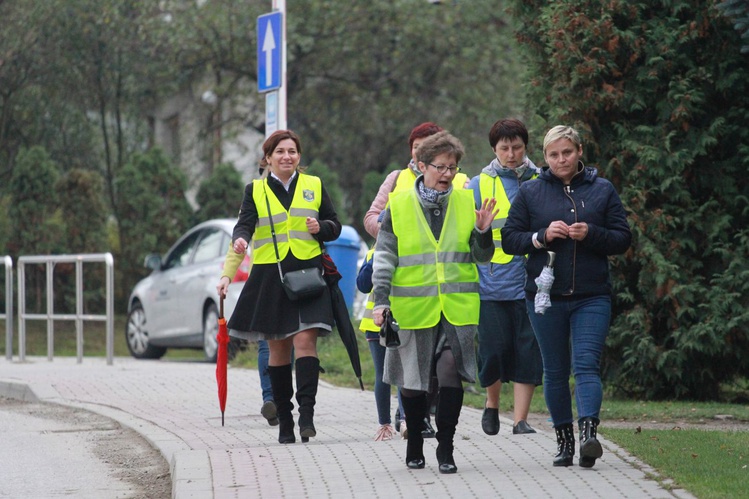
(508, 350)
(264, 312)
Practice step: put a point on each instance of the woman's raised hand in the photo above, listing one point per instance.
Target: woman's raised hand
(486, 214)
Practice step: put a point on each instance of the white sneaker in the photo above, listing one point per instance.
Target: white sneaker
(385, 432)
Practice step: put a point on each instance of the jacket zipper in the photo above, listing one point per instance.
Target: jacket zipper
(568, 193)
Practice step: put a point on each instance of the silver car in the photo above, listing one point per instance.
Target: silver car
(177, 305)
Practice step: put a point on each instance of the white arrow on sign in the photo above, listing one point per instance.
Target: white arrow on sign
(269, 45)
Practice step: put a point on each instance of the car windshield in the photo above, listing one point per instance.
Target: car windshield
(211, 246)
(180, 256)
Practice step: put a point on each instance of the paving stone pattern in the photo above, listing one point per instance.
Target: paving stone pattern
(175, 407)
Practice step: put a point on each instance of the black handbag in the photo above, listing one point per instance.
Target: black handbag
(389, 330)
(297, 284)
(302, 284)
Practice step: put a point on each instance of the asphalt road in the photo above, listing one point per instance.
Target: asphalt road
(50, 450)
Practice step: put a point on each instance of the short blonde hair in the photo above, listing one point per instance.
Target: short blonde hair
(562, 132)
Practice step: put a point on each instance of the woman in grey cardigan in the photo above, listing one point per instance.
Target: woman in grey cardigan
(429, 242)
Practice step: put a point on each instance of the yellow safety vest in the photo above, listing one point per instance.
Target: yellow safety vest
(404, 182)
(434, 278)
(291, 225)
(492, 187)
(367, 321)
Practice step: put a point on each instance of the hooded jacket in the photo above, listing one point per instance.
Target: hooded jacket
(581, 267)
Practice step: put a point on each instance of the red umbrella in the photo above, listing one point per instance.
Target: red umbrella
(222, 358)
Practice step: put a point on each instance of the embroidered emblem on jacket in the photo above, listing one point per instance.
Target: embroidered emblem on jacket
(309, 195)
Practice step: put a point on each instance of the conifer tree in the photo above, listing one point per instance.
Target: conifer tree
(660, 91)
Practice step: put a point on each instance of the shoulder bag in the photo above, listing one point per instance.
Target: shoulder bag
(297, 284)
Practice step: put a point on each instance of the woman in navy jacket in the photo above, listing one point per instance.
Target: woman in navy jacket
(573, 212)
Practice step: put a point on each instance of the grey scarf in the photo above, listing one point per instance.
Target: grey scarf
(519, 170)
(428, 194)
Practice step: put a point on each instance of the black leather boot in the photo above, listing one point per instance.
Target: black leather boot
(414, 408)
(590, 447)
(432, 401)
(448, 412)
(565, 445)
(283, 389)
(307, 378)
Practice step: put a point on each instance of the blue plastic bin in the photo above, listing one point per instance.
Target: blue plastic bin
(345, 253)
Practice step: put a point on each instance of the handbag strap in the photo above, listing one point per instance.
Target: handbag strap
(272, 231)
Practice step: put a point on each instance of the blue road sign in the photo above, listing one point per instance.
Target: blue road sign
(269, 51)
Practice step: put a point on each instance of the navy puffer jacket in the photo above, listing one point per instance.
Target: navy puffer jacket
(581, 267)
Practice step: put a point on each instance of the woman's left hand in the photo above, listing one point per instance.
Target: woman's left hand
(378, 317)
(578, 231)
(313, 226)
(486, 214)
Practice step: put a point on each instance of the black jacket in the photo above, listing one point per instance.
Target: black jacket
(581, 267)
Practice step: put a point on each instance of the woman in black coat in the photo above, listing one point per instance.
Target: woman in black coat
(285, 195)
(573, 212)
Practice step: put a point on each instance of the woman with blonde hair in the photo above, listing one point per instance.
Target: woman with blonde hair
(578, 215)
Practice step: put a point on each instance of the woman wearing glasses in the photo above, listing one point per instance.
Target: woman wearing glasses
(430, 240)
(398, 180)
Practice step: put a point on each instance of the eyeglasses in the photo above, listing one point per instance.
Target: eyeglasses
(443, 168)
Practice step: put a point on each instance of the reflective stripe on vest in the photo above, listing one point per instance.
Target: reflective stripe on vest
(291, 226)
(367, 322)
(434, 277)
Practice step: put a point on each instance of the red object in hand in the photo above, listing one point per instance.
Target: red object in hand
(222, 359)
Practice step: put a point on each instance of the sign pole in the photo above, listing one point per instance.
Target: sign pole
(280, 5)
(271, 66)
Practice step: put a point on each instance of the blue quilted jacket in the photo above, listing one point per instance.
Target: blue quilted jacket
(581, 267)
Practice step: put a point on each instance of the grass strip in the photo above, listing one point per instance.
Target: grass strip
(709, 464)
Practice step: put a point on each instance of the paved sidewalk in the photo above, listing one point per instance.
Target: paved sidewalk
(174, 405)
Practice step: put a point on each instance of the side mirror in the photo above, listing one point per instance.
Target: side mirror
(153, 261)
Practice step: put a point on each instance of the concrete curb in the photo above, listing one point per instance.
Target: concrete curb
(190, 470)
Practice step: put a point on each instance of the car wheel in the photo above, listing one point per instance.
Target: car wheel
(210, 331)
(136, 335)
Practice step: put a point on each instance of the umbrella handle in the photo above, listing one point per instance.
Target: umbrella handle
(552, 256)
(221, 307)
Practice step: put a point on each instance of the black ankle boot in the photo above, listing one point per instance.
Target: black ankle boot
(565, 445)
(448, 412)
(414, 408)
(307, 378)
(590, 447)
(283, 389)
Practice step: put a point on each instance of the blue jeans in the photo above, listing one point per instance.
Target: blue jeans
(381, 389)
(263, 354)
(571, 335)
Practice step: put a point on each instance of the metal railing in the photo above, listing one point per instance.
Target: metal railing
(79, 316)
(8, 315)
